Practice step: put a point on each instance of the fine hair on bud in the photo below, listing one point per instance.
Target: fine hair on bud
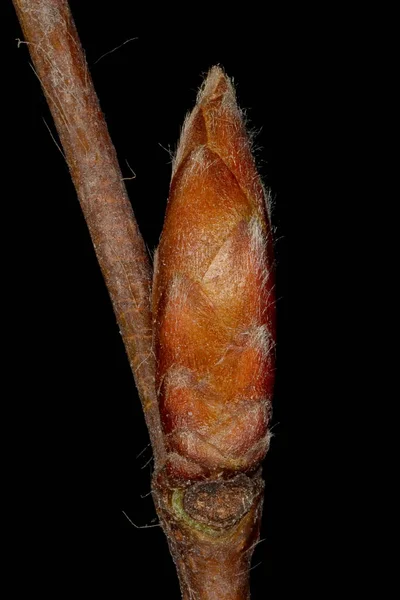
(213, 298)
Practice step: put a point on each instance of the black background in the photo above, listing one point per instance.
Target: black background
(78, 426)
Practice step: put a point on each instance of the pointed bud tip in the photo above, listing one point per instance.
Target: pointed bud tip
(215, 84)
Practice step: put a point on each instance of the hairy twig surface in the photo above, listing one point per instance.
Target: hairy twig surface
(60, 65)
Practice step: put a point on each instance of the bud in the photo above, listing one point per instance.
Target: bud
(213, 297)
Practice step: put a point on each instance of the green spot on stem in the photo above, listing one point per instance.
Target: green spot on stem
(177, 505)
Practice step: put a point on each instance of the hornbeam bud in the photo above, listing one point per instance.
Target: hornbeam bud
(213, 298)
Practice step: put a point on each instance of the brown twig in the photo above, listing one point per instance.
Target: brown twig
(61, 67)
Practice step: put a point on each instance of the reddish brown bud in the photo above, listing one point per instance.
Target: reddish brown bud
(213, 297)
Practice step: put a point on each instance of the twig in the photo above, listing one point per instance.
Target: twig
(60, 65)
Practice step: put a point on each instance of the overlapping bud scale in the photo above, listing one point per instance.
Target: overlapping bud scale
(213, 297)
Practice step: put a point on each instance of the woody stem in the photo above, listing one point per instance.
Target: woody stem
(60, 65)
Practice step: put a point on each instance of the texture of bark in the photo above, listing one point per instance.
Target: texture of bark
(203, 362)
(212, 557)
(60, 65)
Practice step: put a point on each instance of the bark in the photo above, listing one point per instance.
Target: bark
(212, 555)
(60, 65)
